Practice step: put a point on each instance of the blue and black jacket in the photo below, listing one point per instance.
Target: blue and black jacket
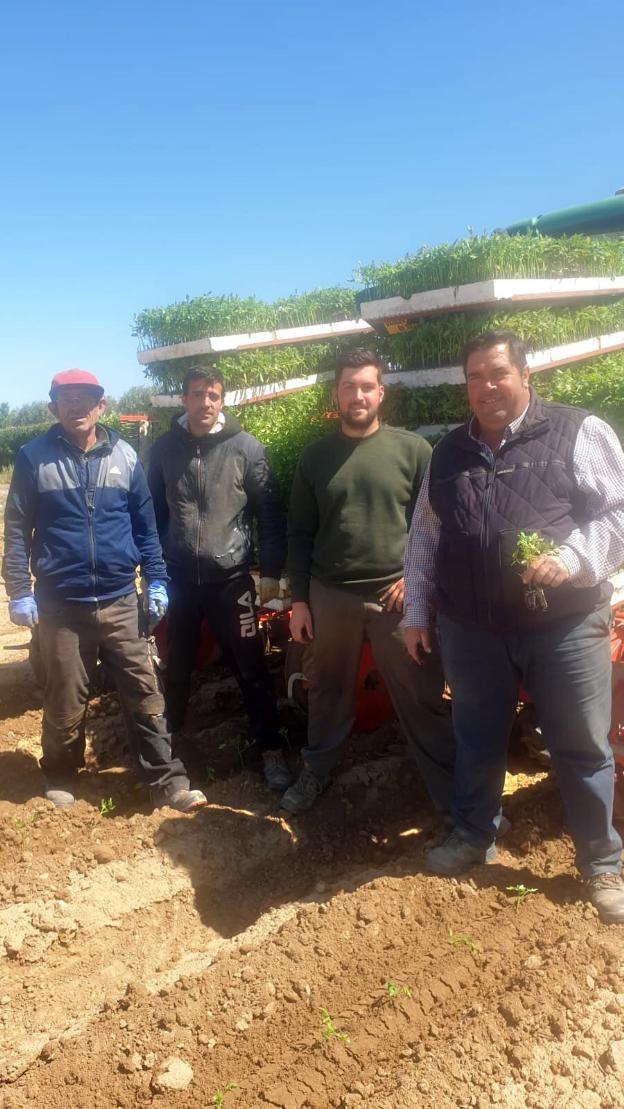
(79, 522)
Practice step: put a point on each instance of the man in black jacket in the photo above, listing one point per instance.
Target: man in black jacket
(209, 480)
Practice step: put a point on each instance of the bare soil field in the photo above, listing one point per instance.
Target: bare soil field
(231, 958)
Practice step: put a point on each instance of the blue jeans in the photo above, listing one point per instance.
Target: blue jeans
(566, 669)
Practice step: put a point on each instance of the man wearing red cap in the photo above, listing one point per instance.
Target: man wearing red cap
(80, 517)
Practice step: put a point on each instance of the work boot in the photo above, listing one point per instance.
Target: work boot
(61, 796)
(606, 892)
(185, 800)
(456, 855)
(304, 792)
(504, 825)
(277, 776)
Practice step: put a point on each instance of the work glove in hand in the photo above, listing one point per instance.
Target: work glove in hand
(24, 612)
(157, 601)
(268, 590)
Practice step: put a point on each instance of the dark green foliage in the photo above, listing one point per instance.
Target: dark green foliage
(440, 404)
(252, 367)
(201, 317)
(12, 438)
(229, 315)
(439, 341)
(598, 385)
(484, 257)
(286, 425)
(136, 400)
(27, 415)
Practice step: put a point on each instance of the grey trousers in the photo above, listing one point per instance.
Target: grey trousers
(72, 635)
(341, 622)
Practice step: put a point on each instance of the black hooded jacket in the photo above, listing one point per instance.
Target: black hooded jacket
(206, 492)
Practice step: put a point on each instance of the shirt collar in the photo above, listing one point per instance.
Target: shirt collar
(102, 438)
(511, 428)
(218, 425)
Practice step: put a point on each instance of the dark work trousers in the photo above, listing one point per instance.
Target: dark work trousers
(565, 666)
(229, 608)
(72, 636)
(342, 620)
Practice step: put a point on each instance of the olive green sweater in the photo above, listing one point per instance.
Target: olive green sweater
(350, 509)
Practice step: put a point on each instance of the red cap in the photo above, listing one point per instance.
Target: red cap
(75, 377)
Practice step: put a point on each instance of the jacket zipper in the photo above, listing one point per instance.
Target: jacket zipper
(90, 498)
(198, 456)
(484, 537)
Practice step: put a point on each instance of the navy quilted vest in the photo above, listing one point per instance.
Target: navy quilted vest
(482, 505)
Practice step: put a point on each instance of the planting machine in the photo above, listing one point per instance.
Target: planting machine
(372, 703)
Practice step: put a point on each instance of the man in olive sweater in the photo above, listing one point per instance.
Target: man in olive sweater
(351, 504)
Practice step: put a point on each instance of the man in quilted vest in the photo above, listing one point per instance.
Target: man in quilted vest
(522, 465)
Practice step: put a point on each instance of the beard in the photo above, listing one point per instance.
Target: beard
(358, 420)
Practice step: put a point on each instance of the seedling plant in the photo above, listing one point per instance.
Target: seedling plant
(107, 806)
(393, 991)
(529, 547)
(238, 745)
(520, 892)
(218, 1098)
(461, 939)
(329, 1028)
(25, 826)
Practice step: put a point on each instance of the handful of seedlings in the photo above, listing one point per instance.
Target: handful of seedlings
(531, 545)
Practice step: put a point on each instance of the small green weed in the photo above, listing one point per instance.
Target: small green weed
(461, 939)
(107, 806)
(330, 1030)
(520, 892)
(238, 745)
(393, 991)
(26, 825)
(218, 1098)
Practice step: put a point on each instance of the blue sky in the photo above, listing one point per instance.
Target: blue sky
(152, 151)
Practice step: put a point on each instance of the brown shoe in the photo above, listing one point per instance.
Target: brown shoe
(606, 892)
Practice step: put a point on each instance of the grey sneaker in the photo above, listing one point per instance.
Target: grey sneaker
(276, 773)
(60, 796)
(456, 855)
(606, 892)
(185, 800)
(304, 792)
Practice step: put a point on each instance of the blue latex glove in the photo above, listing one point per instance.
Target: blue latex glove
(24, 612)
(157, 601)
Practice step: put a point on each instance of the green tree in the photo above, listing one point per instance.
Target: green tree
(138, 399)
(4, 413)
(37, 412)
